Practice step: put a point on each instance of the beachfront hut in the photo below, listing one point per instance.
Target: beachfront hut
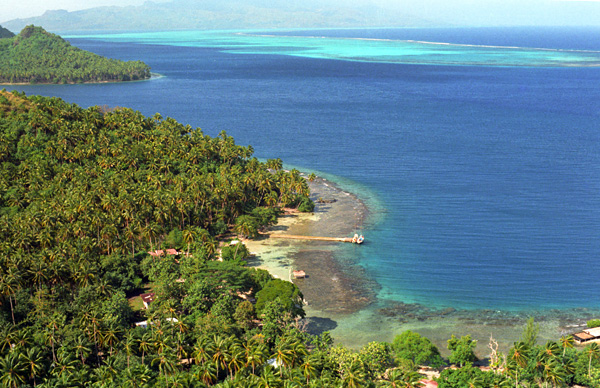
(588, 335)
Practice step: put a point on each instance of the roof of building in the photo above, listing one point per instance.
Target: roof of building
(588, 334)
(148, 298)
(583, 336)
(594, 331)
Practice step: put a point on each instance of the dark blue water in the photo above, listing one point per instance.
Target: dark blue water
(485, 179)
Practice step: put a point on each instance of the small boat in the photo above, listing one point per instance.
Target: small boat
(358, 239)
(299, 274)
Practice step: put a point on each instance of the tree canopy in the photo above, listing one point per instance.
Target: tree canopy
(4, 33)
(416, 348)
(37, 56)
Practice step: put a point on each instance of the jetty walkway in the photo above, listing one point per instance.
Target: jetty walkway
(294, 237)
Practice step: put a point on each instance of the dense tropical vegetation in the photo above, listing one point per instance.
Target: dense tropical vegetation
(86, 194)
(4, 33)
(37, 56)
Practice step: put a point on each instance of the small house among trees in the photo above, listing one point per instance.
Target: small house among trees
(587, 336)
(147, 299)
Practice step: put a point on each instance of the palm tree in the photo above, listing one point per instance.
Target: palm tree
(298, 352)
(167, 363)
(12, 370)
(145, 344)
(218, 346)
(138, 376)
(274, 164)
(268, 379)
(550, 350)
(354, 376)
(82, 349)
(207, 373)
(9, 284)
(107, 371)
(110, 336)
(283, 354)
(38, 272)
(518, 359)
(235, 358)
(32, 360)
(129, 345)
(246, 226)
(566, 342)
(200, 351)
(64, 364)
(7, 337)
(189, 235)
(50, 333)
(309, 369)
(553, 373)
(22, 338)
(397, 378)
(256, 354)
(476, 381)
(593, 352)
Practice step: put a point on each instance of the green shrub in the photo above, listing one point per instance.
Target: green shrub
(593, 323)
(287, 292)
(412, 346)
(306, 205)
(246, 226)
(235, 252)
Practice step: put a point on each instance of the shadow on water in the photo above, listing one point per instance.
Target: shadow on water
(318, 325)
(278, 228)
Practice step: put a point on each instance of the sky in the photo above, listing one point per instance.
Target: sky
(485, 12)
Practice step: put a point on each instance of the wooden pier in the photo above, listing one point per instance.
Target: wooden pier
(317, 238)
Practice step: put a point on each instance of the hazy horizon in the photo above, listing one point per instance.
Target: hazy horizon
(458, 13)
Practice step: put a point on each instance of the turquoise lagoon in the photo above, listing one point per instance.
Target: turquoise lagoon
(384, 50)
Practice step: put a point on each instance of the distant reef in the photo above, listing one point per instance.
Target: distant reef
(37, 56)
(212, 14)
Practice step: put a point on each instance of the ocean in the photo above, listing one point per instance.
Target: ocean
(476, 150)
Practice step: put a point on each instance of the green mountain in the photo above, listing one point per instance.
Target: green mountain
(37, 56)
(4, 33)
(187, 14)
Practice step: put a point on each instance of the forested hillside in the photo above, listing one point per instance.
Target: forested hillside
(37, 56)
(4, 33)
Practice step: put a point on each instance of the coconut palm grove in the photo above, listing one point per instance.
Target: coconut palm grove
(100, 207)
(37, 56)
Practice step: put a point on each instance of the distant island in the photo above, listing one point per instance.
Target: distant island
(213, 14)
(37, 56)
(312, 14)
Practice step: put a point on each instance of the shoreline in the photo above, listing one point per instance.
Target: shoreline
(152, 76)
(335, 283)
(343, 299)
